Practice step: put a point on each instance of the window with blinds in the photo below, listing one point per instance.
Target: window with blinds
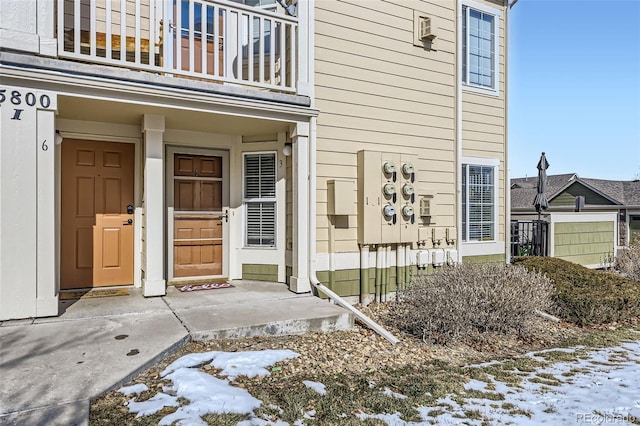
(478, 203)
(259, 197)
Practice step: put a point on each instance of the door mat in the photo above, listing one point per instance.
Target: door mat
(203, 286)
(93, 293)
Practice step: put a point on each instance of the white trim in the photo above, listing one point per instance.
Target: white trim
(480, 161)
(481, 248)
(628, 224)
(494, 91)
(484, 247)
(563, 217)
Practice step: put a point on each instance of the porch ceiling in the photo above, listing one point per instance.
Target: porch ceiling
(130, 114)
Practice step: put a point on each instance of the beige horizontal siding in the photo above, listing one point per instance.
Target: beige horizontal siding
(377, 91)
(349, 137)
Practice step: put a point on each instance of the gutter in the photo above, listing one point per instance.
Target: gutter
(312, 245)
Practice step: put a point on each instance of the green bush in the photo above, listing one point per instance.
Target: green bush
(584, 296)
(466, 301)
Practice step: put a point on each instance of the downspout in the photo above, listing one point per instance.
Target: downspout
(458, 173)
(312, 244)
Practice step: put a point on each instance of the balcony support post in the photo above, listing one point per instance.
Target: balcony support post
(153, 283)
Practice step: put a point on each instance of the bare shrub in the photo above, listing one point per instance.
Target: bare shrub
(628, 262)
(466, 301)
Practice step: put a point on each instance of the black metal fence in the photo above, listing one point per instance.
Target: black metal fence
(529, 238)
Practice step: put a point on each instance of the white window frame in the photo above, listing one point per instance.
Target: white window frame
(475, 248)
(469, 4)
(273, 199)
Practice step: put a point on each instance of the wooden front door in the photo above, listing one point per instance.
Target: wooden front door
(96, 214)
(198, 215)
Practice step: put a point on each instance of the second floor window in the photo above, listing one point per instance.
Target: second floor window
(479, 48)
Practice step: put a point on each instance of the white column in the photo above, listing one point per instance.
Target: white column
(153, 283)
(47, 266)
(46, 18)
(300, 138)
(306, 22)
(27, 204)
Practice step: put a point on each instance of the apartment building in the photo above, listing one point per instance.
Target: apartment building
(147, 143)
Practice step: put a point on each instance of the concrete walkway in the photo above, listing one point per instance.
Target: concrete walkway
(51, 368)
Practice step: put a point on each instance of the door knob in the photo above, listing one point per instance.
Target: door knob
(128, 222)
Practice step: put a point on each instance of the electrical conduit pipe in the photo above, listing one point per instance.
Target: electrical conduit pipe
(312, 246)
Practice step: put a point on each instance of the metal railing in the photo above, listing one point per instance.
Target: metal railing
(213, 40)
(529, 238)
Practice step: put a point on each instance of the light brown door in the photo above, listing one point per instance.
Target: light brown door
(198, 220)
(97, 231)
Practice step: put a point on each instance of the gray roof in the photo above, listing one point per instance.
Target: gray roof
(623, 192)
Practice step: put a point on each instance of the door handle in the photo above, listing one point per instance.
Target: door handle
(128, 222)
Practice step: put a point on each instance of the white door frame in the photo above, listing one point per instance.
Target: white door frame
(170, 151)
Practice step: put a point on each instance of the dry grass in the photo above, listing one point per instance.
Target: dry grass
(356, 366)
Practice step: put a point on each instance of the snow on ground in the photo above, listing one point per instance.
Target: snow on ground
(318, 387)
(607, 391)
(134, 389)
(206, 393)
(601, 387)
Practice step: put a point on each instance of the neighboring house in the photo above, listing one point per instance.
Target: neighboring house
(590, 219)
(148, 142)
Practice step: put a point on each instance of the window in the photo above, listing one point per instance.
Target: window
(259, 197)
(478, 203)
(479, 48)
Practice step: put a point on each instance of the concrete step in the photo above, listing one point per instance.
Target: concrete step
(293, 315)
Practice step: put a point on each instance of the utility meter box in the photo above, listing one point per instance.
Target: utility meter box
(340, 197)
(388, 207)
(378, 196)
(409, 205)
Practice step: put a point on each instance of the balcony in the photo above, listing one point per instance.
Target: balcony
(209, 40)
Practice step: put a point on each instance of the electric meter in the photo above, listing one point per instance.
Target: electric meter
(389, 211)
(408, 189)
(407, 210)
(389, 167)
(389, 189)
(407, 169)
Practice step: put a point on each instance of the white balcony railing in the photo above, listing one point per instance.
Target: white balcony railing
(214, 40)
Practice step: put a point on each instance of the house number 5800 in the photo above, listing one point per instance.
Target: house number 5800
(19, 98)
